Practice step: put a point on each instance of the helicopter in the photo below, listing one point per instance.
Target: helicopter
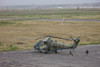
(49, 45)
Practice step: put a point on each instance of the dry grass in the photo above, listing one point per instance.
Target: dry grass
(23, 33)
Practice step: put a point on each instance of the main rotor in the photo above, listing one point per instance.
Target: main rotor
(54, 37)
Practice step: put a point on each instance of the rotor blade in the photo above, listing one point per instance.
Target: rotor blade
(54, 37)
(71, 37)
(61, 38)
(42, 37)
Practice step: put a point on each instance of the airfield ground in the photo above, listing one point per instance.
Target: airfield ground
(29, 58)
(20, 35)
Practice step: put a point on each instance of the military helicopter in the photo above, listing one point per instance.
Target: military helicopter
(49, 45)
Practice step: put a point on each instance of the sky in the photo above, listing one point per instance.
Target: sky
(44, 2)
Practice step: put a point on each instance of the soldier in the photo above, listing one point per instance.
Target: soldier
(64, 19)
(87, 52)
(71, 53)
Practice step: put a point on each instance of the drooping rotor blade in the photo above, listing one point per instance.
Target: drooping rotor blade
(71, 37)
(54, 37)
(60, 38)
(43, 37)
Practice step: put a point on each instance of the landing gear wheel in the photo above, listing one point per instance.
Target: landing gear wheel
(39, 50)
(55, 51)
(46, 52)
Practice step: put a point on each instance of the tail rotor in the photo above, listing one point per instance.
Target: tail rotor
(76, 42)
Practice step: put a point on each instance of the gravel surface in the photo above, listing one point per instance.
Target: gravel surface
(30, 58)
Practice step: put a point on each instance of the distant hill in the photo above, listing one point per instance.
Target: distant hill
(58, 6)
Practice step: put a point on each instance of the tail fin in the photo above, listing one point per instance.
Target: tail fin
(76, 42)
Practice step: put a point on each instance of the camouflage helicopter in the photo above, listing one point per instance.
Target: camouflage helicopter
(49, 45)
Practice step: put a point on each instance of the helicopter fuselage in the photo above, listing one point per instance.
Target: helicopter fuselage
(49, 45)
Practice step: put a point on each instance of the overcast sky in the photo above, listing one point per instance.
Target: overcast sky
(44, 2)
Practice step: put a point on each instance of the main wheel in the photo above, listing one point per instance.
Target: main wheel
(55, 51)
(46, 51)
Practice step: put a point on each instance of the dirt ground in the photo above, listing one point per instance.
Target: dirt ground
(30, 58)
